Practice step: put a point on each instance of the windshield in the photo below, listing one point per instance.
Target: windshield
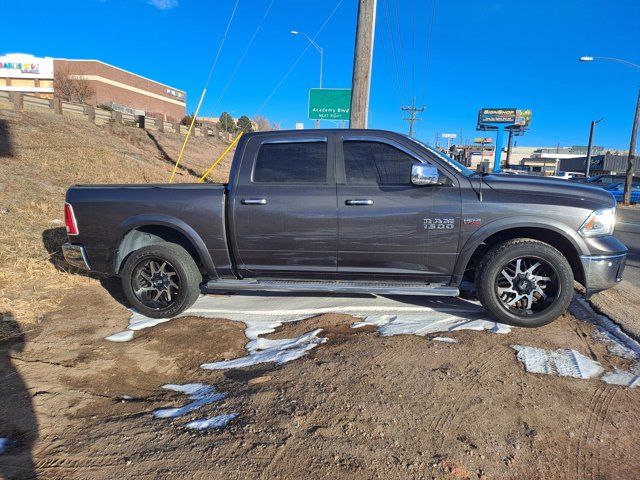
(454, 164)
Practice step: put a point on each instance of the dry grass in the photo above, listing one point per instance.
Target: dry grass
(41, 155)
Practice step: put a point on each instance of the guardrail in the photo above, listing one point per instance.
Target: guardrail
(100, 116)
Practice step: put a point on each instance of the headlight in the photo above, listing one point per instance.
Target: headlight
(599, 223)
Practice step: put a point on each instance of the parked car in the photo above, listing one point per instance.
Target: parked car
(353, 211)
(617, 190)
(605, 179)
(569, 175)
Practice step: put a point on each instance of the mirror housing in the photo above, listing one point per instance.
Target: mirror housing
(424, 174)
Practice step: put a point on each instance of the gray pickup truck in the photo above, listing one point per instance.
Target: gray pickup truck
(353, 211)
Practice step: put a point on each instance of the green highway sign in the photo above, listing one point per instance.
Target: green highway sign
(329, 103)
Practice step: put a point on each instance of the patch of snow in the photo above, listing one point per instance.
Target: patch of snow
(219, 421)
(424, 325)
(199, 394)
(263, 312)
(564, 362)
(445, 339)
(621, 377)
(5, 443)
(612, 330)
(263, 350)
(125, 336)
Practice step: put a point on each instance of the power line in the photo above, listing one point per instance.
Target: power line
(413, 45)
(224, 37)
(392, 49)
(428, 48)
(295, 63)
(400, 46)
(244, 54)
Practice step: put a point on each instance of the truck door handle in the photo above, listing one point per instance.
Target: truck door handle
(254, 201)
(359, 201)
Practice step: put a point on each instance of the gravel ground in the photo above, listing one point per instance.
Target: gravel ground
(360, 405)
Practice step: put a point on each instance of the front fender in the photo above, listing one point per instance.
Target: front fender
(178, 225)
(504, 224)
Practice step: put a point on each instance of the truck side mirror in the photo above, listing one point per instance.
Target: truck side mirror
(423, 174)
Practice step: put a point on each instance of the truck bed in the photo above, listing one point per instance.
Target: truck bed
(106, 213)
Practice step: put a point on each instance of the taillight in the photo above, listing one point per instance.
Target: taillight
(70, 220)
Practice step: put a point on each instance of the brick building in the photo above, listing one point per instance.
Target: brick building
(122, 90)
(119, 88)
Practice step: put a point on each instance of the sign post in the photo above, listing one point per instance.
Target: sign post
(496, 119)
(449, 137)
(329, 103)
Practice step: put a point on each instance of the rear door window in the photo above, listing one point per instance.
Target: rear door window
(291, 162)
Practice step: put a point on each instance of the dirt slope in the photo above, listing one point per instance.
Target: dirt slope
(41, 155)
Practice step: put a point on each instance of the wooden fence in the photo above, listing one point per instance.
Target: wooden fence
(100, 116)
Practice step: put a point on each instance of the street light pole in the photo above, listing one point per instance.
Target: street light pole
(632, 149)
(320, 50)
(588, 167)
(634, 130)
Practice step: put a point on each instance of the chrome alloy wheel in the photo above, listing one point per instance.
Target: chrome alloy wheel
(155, 283)
(527, 285)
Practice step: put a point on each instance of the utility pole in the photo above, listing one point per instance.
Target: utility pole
(362, 60)
(587, 169)
(413, 110)
(632, 149)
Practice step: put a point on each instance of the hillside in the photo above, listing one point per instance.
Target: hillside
(41, 155)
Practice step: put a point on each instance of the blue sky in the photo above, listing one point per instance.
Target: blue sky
(483, 54)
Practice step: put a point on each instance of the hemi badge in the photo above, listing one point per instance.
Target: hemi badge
(472, 221)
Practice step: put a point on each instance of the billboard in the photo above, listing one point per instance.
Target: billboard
(329, 103)
(497, 115)
(483, 140)
(523, 118)
(19, 65)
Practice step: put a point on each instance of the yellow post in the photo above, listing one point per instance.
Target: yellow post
(184, 144)
(206, 174)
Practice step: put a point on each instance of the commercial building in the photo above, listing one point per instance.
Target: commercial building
(119, 89)
(27, 74)
(116, 87)
(605, 163)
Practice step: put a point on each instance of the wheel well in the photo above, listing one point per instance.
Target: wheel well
(550, 237)
(152, 235)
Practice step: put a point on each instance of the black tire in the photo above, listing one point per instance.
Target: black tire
(154, 294)
(513, 293)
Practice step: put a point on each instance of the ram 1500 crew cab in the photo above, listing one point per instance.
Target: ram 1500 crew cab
(350, 211)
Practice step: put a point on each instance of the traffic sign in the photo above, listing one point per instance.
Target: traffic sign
(329, 103)
(448, 135)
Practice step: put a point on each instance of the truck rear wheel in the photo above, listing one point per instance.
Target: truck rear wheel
(524, 282)
(161, 281)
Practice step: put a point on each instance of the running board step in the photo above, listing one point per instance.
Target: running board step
(380, 288)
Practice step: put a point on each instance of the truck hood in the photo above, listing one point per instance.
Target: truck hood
(523, 184)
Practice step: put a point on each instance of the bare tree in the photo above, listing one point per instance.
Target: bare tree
(72, 88)
(63, 86)
(84, 90)
(262, 123)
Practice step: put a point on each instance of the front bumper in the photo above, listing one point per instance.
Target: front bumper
(76, 256)
(602, 271)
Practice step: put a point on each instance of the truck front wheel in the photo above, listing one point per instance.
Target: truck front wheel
(161, 280)
(524, 282)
